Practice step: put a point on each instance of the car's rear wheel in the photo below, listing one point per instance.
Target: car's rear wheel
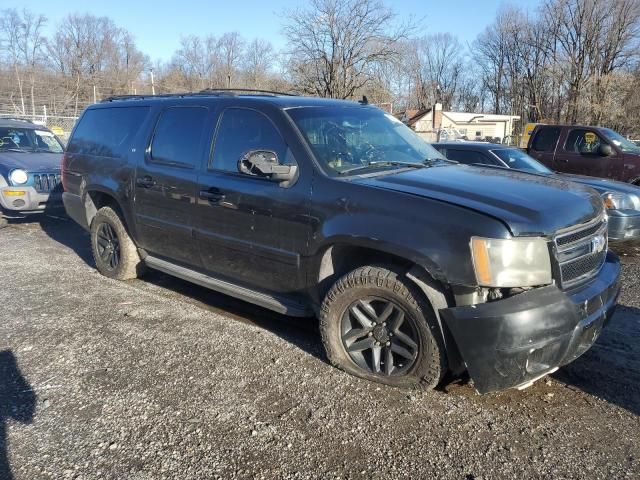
(114, 253)
(376, 326)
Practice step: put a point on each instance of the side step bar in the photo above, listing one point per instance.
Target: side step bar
(276, 304)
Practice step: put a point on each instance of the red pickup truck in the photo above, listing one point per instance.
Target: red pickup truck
(593, 151)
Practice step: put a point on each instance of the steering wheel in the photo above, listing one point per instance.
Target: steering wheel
(10, 139)
(368, 153)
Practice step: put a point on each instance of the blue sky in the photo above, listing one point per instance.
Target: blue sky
(158, 25)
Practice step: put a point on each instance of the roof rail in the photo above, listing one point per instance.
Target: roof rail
(15, 119)
(207, 91)
(243, 90)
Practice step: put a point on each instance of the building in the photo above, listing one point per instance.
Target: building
(434, 124)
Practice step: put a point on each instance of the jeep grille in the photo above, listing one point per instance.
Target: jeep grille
(46, 182)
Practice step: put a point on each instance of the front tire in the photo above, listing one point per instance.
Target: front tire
(374, 326)
(114, 252)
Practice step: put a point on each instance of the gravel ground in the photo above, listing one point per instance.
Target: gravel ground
(156, 378)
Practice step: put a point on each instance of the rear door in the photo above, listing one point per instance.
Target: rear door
(165, 184)
(543, 145)
(579, 153)
(251, 229)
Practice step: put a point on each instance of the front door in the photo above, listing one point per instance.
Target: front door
(580, 154)
(249, 228)
(165, 184)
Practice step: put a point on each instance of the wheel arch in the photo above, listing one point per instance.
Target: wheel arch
(337, 259)
(96, 197)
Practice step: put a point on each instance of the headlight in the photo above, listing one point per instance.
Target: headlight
(621, 201)
(18, 177)
(515, 262)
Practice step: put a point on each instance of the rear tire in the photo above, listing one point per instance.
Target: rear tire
(374, 326)
(114, 253)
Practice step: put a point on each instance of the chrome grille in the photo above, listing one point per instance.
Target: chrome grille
(46, 182)
(581, 252)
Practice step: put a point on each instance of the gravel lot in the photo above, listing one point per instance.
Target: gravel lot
(157, 378)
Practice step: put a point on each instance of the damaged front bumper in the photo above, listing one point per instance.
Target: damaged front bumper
(508, 343)
(624, 226)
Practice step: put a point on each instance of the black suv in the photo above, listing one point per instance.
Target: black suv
(415, 265)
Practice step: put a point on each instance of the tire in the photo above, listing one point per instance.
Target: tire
(371, 290)
(114, 253)
(3, 222)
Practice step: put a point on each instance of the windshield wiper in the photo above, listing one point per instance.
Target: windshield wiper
(14, 149)
(432, 161)
(382, 163)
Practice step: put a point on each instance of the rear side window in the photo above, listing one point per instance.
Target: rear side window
(178, 136)
(107, 132)
(468, 157)
(545, 139)
(242, 130)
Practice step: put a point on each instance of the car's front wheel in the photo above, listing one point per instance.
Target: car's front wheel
(374, 325)
(114, 252)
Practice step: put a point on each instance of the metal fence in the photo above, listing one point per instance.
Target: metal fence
(59, 125)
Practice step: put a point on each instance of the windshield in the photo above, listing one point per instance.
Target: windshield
(622, 143)
(356, 140)
(28, 140)
(519, 160)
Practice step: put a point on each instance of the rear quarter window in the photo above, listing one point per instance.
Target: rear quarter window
(545, 139)
(107, 132)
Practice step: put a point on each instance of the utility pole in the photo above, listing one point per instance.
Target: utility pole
(153, 84)
(95, 100)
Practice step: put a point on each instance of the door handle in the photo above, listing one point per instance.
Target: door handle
(212, 195)
(145, 182)
(563, 160)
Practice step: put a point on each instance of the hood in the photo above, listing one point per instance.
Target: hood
(602, 185)
(30, 161)
(527, 204)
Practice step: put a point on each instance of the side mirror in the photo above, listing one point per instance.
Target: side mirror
(265, 163)
(605, 150)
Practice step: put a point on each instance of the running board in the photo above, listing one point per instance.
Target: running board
(276, 304)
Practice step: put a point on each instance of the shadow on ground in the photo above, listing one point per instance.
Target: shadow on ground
(609, 370)
(301, 332)
(17, 403)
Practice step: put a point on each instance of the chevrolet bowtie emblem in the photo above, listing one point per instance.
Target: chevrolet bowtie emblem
(598, 243)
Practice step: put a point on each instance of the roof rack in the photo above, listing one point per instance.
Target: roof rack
(244, 90)
(16, 119)
(207, 91)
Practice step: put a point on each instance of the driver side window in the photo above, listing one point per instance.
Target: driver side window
(583, 141)
(242, 130)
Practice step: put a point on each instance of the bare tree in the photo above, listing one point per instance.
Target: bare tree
(258, 62)
(435, 63)
(96, 56)
(334, 44)
(22, 43)
(231, 48)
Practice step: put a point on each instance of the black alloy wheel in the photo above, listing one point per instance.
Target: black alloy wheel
(380, 337)
(108, 246)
